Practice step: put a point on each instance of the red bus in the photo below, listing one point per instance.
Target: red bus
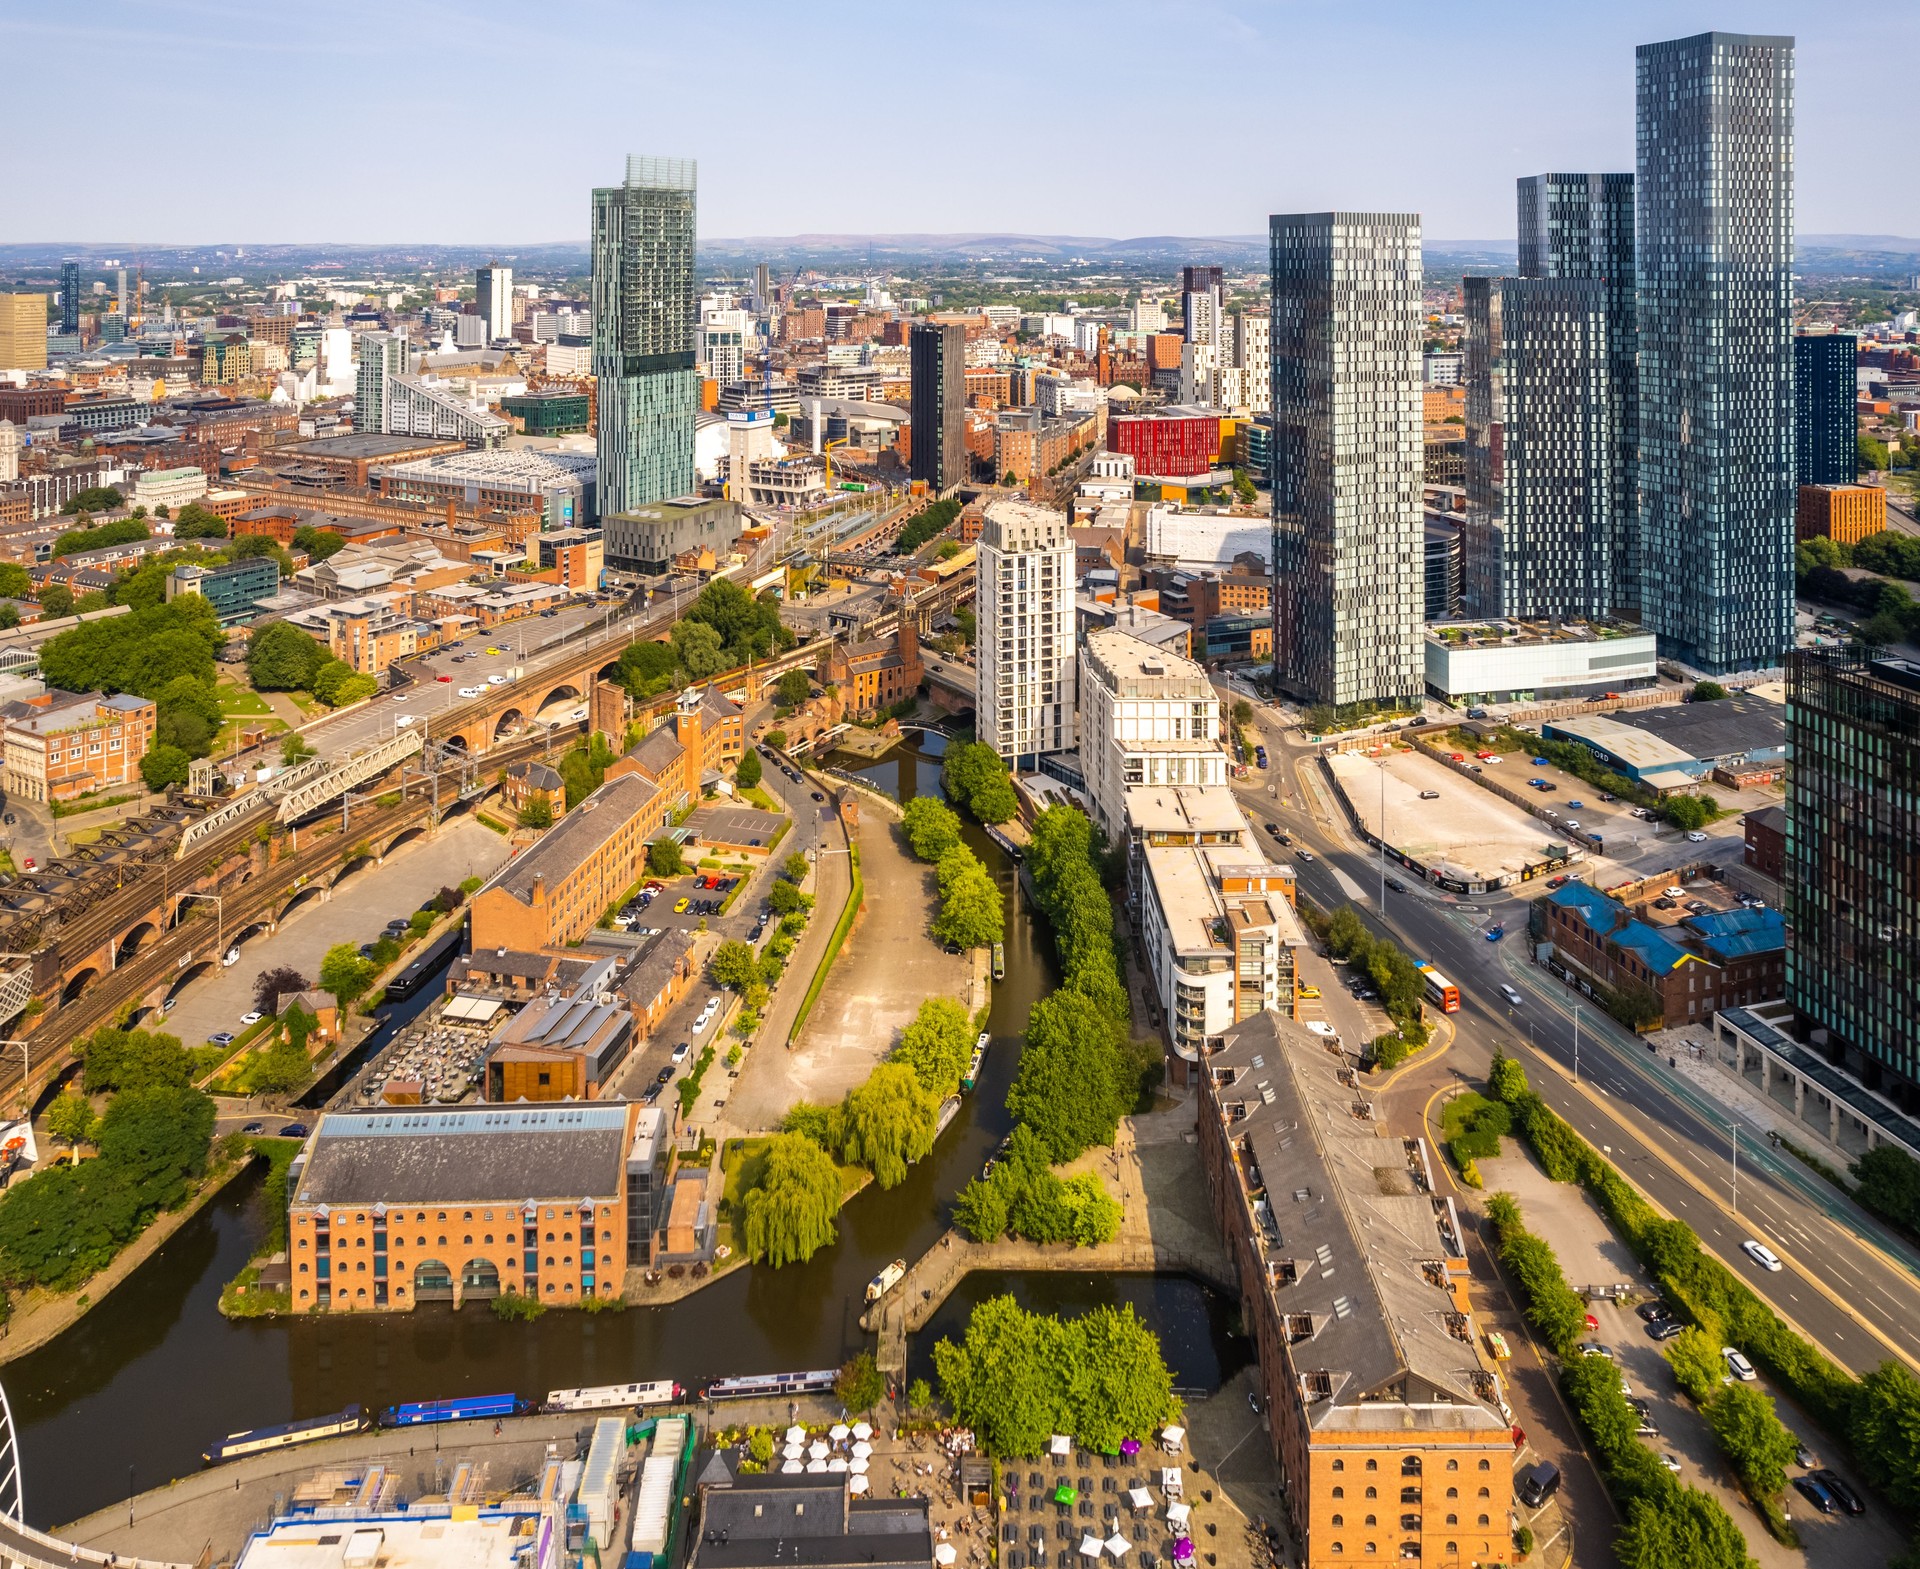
(1441, 992)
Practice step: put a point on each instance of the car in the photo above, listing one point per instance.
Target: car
(1576, 806)
(1513, 997)
(447, 679)
(293, 1130)
(1536, 784)
(1644, 1426)
(1396, 885)
(1654, 1312)
(1475, 768)
(1664, 903)
(493, 650)
(680, 1051)
(818, 796)
(1282, 836)
(1804, 1457)
(220, 1038)
(1304, 854)
(1843, 1495)
(1485, 757)
(1429, 795)
(406, 719)
(650, 1094)
(1541, 762)
(8, 819)
(1762, 1255)
(1696, 837)
(251, 1017)
(702, 1022)
(680, 906)
(1815, 1493)
(470, 691)
(1738, 1365)
(1605, 797)
(1593, 1324)
(1559, 882)
(28, 863)
(1310, 992)
(1670, 1462)
(1548, 786)
(230, 958)
(496, 679)
(1673, 893)
(1458, 757)
(624, 920)
(1698, 907)
(1495, 933)
(665, 1075)
(1572, 825)
(1274, 829)
(1665, 1329)
(1593, 1348)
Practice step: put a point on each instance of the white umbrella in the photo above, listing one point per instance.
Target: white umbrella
(793, 1452)
(1172, 1437)
(862, 1449)
(1177, 1515)
(817, 1450)
(816, 1468)
(862, 1430)
(836, 1464)
(796, 1435)
(945, 1553)
(1091, 1546)
(1140, 1498)
(838, 1432)
(792, 1468)
(1060, 1444)
(856, 1484)
(1117, 1545)
(858, 1465)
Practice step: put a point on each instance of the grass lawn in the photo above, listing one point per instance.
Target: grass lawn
(236, 700)
(1459, 1111)
(757, 796)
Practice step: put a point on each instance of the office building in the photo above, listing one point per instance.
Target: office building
(60, 745)
(1825, 396)
(937, 355)
(23, 332)
(1347, 541)
(383, 355)
(1203, 306)
(1147, 717)
(1540, 449)
(1490, 661)
(389, 1209)
(1580, 226)
(493, 293)
(1845, 514)
(1714, 248)
(1852, 880)
(557, 891)
(1445, 579)
(69, 298)
(648, 539)
(1025, 703)
(643, 325)
(1354, 1285)
(234, 589)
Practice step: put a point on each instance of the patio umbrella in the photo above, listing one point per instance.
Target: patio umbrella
(856, 1484)
(1140, 1498)
(792, 1468)
(796, 1435)
(1177, 1515)
(862, 1449)
(1183, 1550)
(862, 1430)
(1091, 1547)
(838, 1432)
(945, 1553)
(816, 1468)
(1117, 1545)
(1129, 1447)
(1060, 1444)
(1172, 1437)
(1064, 1493)
(817, 1450)
(792, 1452)
(858, 1465)
(836, 1464)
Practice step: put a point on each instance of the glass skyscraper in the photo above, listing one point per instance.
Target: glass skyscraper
(1581, 226)
(645, 309)
(1714, 277)
(69, 297)
(1540, 532)
(937, 363)
(1825, 395)
(1348, 542)
(1853, 870)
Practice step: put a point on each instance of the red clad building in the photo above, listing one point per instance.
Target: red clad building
(1166, 443)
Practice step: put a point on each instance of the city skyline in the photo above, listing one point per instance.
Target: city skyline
(1304, 152)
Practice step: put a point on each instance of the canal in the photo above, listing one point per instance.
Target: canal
(145, 1381)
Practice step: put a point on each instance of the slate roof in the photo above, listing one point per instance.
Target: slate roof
(1722, 728)
(809, 1522)
(1600, 913)
(570, 842)
(1659, 952)
(1739, 934)
(657, 752)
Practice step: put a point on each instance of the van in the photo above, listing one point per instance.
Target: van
(1537, 1483)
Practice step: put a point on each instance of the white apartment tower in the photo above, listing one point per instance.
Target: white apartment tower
(493, 293)
(1025, 697)
(1253, 358)
(1147, 717)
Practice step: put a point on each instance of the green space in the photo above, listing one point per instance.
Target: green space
(972, 914)
(1893, 616)
(724, 629)
(781, 1195)
(1401, 986)
(1471, 1127)
(241, 1296)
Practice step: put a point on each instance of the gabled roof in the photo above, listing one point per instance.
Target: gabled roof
(1739, 934)
(1654, 948)
(1590, 905)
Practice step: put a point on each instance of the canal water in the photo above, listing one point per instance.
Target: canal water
(129, 1397)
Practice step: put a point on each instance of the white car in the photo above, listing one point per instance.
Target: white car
(1673, 893)
(1738, 1365)
(1322, 1028)
(230, 958)
(702, 1022)
(251, 1018)
(1671, 1463)
(1511, 995)
(403, 720)
(1696, 837)
(496, 679)
(1762, 1255)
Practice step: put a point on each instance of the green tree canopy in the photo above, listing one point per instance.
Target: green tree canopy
(15, 583)
(115, 1059)
(931, 827)
(95, 498)
(1681, 1526)
(748, 773)
(647, 669)
(793, 688)
(194, 521)
(344, 973)
(1889, 1181)
(157, 1137)
(1885, 1432)
(888, 1122)
(664, 858)
(282, 658)
(1072, 1089)
(746, 626)
(792, 1211)
(56, 601)
(139, 652)
(974, 777)
(734, 965)
(70, 1118)
(860, 1385)
(121, 531)
(937, 1045)
(164, 765)
(972, 913)
(319, 543)
(698, 649)
(1708, 691)
(1755, 1439)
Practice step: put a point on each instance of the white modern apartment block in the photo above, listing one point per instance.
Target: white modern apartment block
(493, 293)
(1203, 539)
(1253, 359)
(416, 406)
(1025, 697)
(1217, 921)
(1147, 717)
(1148, 315)
(169, 488)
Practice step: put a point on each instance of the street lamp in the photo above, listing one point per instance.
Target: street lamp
(1576, 1043)
(1733, 1129)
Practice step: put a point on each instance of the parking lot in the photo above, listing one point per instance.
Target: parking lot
(1591, 1255)
(1438, 818)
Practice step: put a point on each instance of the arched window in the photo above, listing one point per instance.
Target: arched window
(489, 1236)
(303, 1270)
(303, 1293)
(1484, 1520)
(1485, 1494)
(1339, 1465)
(1339, 1519)
(1453, 1492)
(1373, 1465)
(1453, 1520)
(1453, 1465)
(1373, 1492)
(468, 1239)
(1486, 1465)
(1371, 1521)
(1339, 1492)
(1410, 1465)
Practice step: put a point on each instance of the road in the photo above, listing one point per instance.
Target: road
(1861, 1299)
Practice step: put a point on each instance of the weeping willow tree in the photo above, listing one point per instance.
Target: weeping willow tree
(888, 1122)
(789, 1215)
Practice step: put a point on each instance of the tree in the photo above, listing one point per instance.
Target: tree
(584, 768)
(319, 543)
(163, 766)
(785, 899)
(1680, 1526)
(344, 973)
(1755, 1439)
(937, 1045)
(747, 774)
(793, 688)
(281, 658)
(95, 498)
(56, 601)
(931, 827)
(70, 1118)
(1506, 1078)
(1889, 1181)
(1694, 1356)
(270, 985)
(1243, 488)
(860, 1385)
(1708, 692)
(194, 521)
(537, 813)
(919, 1395)
(116, 1059)
(734, 965)
(157, 1137)
(122, 531)
(974, 776)
(794, 867)
(664, 859)
(777, 739)
(972, 913)
(329, 681)
(14, 581)
(698, 649)
(1072, 1087)
(189, 715)
(1884, 1431)
(1870, 454)
(295, 749)
(790, 1213)
(1689, 813)
(888, 1123)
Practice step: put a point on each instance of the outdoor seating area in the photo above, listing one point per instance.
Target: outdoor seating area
(436, 1060)
(1088, 1508)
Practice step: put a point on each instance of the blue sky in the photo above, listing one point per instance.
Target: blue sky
(488, 122)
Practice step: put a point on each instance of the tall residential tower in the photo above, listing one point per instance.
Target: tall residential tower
(1025, 693)
(1347, 456)
(644, 310)
(493, 293)
(1825, 395)
(937, 361)
(1714, 267)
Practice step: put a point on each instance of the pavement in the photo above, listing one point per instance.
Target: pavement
(356, 912)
